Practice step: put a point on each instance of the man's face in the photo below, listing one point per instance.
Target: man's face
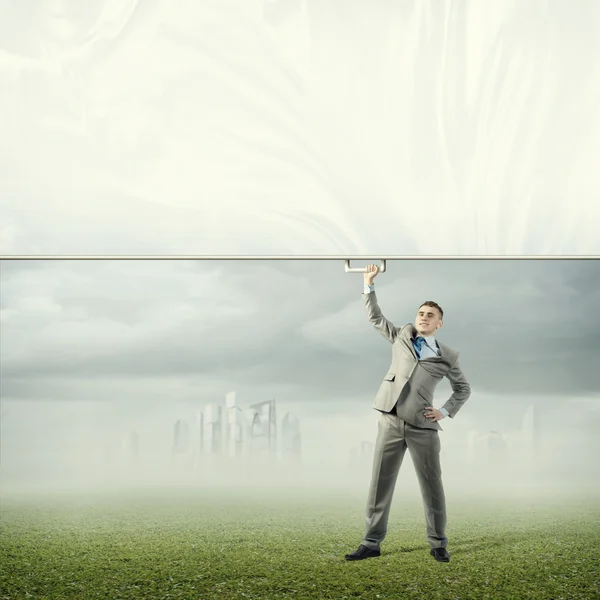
(428, 320)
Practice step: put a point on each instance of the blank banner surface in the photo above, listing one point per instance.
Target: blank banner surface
(299, 127)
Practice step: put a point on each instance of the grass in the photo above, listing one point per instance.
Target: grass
(260, 545)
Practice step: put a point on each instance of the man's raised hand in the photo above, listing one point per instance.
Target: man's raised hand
(371, 273)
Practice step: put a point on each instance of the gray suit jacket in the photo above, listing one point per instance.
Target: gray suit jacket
(411, 382)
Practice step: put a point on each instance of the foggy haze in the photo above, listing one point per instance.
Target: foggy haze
(91, 351)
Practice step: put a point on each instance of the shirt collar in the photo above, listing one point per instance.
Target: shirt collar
(430, 340)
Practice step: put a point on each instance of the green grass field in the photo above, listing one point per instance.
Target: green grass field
(204, 545)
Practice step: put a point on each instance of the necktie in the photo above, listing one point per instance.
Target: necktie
(419, 344)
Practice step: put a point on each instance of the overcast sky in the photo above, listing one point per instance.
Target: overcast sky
(299, 126)
(132, 341)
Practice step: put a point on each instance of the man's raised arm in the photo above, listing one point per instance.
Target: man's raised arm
(386, 328)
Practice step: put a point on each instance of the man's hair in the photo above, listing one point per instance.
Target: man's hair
(433, 305)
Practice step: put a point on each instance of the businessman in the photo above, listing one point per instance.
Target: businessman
(409, 420)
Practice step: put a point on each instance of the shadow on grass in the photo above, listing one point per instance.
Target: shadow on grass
(477, 544)
(463, 546)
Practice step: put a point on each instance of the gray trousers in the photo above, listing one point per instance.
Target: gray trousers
(394, 437)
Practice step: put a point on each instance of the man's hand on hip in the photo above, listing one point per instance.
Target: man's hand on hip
(433, 414)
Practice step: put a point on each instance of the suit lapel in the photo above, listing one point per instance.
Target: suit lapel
(406, 337)
(440, 356)
(436, 366)
(408, 333)
(447, 354)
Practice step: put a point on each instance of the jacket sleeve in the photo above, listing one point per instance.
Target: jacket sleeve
(461, 390)
(386, 328)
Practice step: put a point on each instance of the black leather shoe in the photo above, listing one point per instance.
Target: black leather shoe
(362, 552)
(440, 554)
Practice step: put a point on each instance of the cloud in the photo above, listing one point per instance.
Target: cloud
(299, 328)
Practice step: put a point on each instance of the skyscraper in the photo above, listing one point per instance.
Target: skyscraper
(214, 429)
(261, 427)
(291, 441)
(233, 427)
